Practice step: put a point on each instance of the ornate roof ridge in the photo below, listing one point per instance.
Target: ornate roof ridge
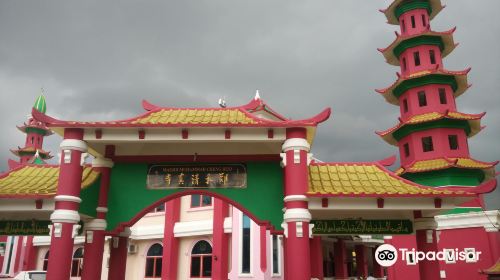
(151, 109)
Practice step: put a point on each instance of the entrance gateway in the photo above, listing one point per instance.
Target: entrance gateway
(250, 157)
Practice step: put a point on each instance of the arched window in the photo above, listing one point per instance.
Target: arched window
(154, 261)
(201, 260)
(46, 261)
(77, 263)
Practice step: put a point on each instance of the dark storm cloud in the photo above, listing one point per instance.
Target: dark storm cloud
(97, 60)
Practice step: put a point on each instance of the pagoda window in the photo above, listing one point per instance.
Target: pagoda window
(422, 99)
(404, 63)
(245, 245)
(453, 141)
(427, 145)
(424, 23)
(200, 200)
(416, 58)
(406, 148)
(154, 258)
(403, 27)
(442, 96)
(77, 263)
(201, 260)
(432, 55)
(405, 105)
(412, 21)
(32, 140)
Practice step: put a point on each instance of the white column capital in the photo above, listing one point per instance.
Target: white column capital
(101, 210)
(67, 198)
(125, 233)
(74, 144)
(297, 215)
(425, 223)
(96, 224)
(65, 216)
(296, 144)
(290, 198)
(102, 162)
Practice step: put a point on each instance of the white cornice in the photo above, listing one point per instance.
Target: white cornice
(490, 220)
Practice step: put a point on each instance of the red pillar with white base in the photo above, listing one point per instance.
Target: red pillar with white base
(340, 259)
(296, 159)
(361, 261)
(65, 218)
(378, 270)
(220, 256)
(170, 259)
(118, 256)
(316, 258)
(427, 242)
(94, 230)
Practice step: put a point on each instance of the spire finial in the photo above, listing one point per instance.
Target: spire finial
(40, 103)
(257, 95)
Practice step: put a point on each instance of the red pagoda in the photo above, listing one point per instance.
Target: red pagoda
(432, 139)
(431, 133)
(35, 131)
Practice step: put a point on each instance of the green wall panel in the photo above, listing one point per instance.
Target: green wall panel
(263, 196)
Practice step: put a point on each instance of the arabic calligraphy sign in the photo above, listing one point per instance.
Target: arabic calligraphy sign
(198, 176)
(361, 226)
(24, 227)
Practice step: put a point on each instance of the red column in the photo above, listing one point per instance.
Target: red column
(65, 218)
(494, 242)
(118, 256)
(94, 230)
(378, 271)
(170, 259)
(361, 261)
(316, 258)
(340, 259)
(426, 241)
(29, 261)
(220, 255)
(297, 216)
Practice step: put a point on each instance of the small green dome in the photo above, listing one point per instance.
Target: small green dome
(40, 104)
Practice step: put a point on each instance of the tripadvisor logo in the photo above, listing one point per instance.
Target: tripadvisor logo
(386, 255)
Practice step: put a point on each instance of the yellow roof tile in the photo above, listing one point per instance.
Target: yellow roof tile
(363, 179)
(32, 180)
(191, 116)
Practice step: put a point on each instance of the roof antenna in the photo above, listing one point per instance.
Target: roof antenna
(257, 95)
(222, 102)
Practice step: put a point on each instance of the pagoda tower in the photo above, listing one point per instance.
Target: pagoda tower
(35, 131)
(431, 134)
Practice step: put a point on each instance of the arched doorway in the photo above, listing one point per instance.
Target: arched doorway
(154, 261)
(77, 263)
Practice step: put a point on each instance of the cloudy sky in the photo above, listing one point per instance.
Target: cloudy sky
(97, 60)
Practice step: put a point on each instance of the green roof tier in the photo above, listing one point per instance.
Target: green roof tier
(442, 39)
(399, 7)
(471, 123)
(456, 79)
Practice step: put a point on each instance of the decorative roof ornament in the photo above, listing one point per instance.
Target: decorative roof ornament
(257, 95)
(222, 102)
(40, 104)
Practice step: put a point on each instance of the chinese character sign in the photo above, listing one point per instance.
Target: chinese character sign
(362, 226)
(199, 176)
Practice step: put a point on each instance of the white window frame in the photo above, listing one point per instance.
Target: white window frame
(279, 240)
(240, 248)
